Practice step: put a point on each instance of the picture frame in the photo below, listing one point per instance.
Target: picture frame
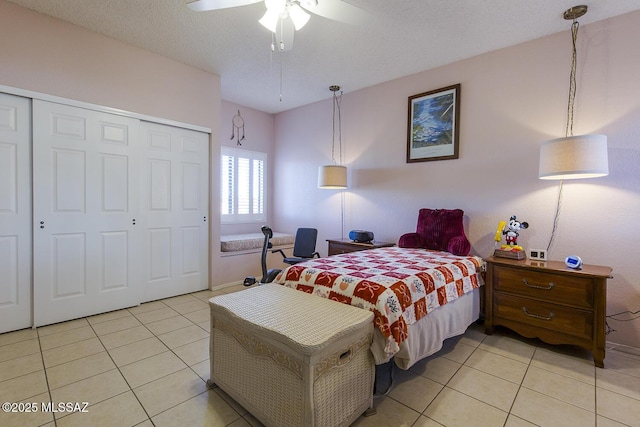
(433, 125)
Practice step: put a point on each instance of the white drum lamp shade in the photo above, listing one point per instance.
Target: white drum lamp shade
(574, 157)
(333, 177)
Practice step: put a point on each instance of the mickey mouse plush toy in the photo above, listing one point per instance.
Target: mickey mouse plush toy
(510, 231)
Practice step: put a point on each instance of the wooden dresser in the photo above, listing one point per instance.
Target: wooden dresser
(548, 300)
(343, 246)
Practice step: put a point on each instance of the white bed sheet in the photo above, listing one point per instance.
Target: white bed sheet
(428, 334)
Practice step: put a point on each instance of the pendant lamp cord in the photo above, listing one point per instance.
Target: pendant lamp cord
(281, 54)
(281, 68)
(572, 78)
(333, 129)
(337, 100)
(277, 48)
(557, 215)
(569, 129)
(342, 203)
(336, 107)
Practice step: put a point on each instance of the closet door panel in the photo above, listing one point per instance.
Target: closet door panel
(159, 255)
(114, 263)
(174, 178)
(15, 213)
(68, 261)
(85, 208)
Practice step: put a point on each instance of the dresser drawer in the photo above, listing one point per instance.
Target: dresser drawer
(538, 314)
(564, 289)
(342, 248)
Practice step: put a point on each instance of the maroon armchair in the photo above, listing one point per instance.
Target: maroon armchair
(439, 229)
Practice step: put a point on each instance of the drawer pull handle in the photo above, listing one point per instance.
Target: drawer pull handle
(537, 316)
(546, 288)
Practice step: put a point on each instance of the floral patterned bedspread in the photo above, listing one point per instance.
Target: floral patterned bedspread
(399, 285)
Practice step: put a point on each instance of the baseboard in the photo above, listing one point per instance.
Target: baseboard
(635, 351)
(226, 285)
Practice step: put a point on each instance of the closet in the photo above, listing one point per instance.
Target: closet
(98, 211)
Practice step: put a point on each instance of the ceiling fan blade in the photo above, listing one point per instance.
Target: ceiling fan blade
(337, 10)
(203, 5)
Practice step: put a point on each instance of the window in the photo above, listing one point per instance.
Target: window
(242, 192)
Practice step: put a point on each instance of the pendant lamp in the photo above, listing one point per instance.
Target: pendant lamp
(574, 156)
(334, 177)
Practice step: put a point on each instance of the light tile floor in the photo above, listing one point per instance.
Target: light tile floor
(147, 366)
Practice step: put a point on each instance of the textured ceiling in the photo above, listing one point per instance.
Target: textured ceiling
(400, 37)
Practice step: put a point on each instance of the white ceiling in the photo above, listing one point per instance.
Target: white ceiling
(402, 37)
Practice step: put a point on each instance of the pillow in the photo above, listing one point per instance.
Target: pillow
(442, 229)
(459, 246)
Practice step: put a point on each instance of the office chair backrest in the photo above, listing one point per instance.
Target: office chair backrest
(305, 243)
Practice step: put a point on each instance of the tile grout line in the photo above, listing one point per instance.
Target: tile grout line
(46, 377)
(107, 351)
(420, 414)
(120, 372)
(449, 380)
(207, 390)
(595, 396)
(472, 397)
(520, 388)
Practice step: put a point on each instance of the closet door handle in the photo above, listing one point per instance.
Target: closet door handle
(205, 219)
(41, 224)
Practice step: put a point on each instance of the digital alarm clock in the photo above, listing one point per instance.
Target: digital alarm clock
(573, 261)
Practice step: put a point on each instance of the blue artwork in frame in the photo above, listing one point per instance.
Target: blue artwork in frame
(433, 132)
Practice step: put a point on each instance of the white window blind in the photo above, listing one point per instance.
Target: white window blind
(242, 192)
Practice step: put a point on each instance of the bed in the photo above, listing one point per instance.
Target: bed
(419, 297)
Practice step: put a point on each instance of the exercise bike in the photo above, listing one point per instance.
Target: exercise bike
(267, 275)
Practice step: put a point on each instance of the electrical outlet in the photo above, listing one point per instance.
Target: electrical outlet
(539, 254)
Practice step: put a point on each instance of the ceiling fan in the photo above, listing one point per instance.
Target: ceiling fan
(284, 17)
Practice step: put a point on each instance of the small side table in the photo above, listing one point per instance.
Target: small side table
(549, 301)
(343, 246)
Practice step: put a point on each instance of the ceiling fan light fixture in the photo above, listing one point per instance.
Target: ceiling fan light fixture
(270, 20)
(298, 16)
(278, 6)
(276, 9)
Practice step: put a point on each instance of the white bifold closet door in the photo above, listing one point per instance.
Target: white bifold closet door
(175, 205)
(15, 213)
(86, 253)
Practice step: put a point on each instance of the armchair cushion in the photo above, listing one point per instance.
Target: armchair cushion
(438, 229)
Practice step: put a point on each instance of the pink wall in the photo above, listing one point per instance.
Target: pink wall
(259, 130)
(46, 55)
(512, 100)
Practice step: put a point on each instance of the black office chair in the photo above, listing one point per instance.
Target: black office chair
(304, 247)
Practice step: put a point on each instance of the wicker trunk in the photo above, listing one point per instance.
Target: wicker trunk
(290, 358)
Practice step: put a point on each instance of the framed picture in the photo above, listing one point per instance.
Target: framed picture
(432, 132)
